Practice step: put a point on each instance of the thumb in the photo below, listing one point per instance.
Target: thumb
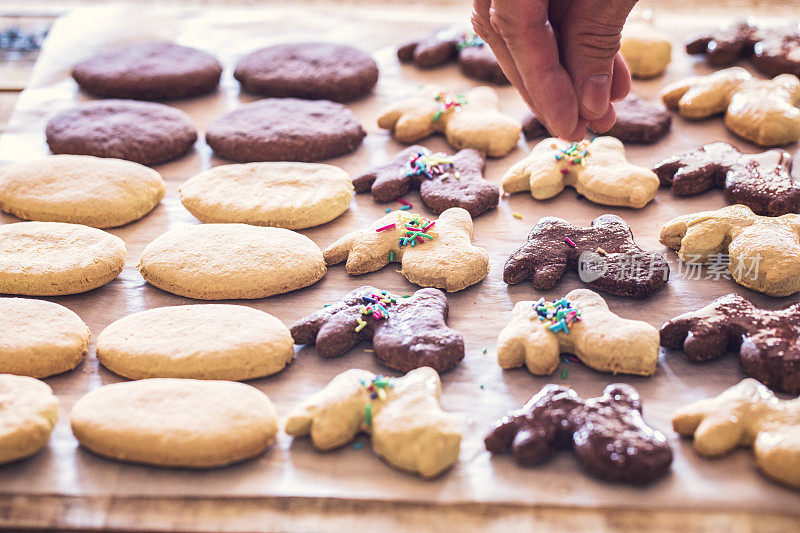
(590, 38)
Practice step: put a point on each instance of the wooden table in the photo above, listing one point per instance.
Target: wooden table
(321, 514)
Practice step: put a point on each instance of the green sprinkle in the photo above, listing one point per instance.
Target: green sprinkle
(485, 350)
(391, 256)
(368, 414)
(564, 374)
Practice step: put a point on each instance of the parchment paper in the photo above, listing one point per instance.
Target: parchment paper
(477, 389)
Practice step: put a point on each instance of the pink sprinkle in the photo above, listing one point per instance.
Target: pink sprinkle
(390, 226)
(569, 241)
(401, 201)
(420, 240)
(430, 225)
(376, 315)
(564, 171)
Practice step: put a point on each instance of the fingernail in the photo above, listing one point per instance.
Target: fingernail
(596, 94)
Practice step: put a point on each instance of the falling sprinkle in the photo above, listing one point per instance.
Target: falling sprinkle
(564, 374)
(388, 210)
(516, 215)
(569, 241)
(601, 251)
(485, 350)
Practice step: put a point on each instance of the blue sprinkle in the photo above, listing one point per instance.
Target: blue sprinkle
(358, 445)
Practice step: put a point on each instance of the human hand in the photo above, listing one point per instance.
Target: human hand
(562, 56)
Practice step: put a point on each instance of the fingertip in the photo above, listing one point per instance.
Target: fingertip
(621, 79)
(604, 123)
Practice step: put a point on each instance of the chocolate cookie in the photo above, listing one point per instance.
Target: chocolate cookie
(475, 58)
(773, 51)
(768, 341)
(638, 122)
(607, 433)
(407, 332)
(762, 182)
(604, 255)
(144, 132)
(532, 128)
(153, 70)
(725, 46)
(443, 181)
(308, 70)
(285, 129)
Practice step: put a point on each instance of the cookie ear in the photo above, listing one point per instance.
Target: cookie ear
(363, 183)
(672, 93)
(339, 250)
(517, 178)
(336, 337)
(718, 434)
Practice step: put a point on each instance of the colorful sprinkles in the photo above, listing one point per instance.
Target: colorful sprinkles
(574, 154)
(445, 103)
(374, 305)
(376, 388)
(429, 165)
(561, 314)
(413, 230)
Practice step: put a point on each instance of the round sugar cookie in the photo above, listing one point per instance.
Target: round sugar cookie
(211, 341)
(175, 422)
(79, 189)
(285, 129)
(28, 412)
(144, 132)
(326, 71)
(54, 258)
(39, 338)
(279, 194)
(151, 70)
(229, 261)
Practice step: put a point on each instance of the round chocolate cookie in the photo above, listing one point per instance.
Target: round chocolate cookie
(152, 70)
(143, 132)
(285, 129)
(308, 70)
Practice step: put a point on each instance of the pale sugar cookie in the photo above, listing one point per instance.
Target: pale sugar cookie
(213, 341)
(176, 422)
(229, 261)
(53, 258)
(98, 192)
(279, 194)
(39, 338)
(28, 412)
